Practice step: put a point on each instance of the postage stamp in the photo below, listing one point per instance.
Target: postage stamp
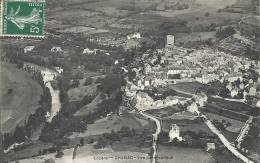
(22, 18)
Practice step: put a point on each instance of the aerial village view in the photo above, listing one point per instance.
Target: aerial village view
(133, 81)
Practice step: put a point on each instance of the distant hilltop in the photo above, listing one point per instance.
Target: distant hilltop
(217, 3)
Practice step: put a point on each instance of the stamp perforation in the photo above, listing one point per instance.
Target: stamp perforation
(29, 34)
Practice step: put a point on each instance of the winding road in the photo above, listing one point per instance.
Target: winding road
(158, 128)
(155, 135)
(224, 140)
(48, 76)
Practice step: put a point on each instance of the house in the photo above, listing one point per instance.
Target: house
(56, 49)
(252, 91)
(48, 115)
(87, 51)
(234, 77)
(139, 83)
(134, 36)
(116, 62)
(143, 101)
(171, 100)
(174, 133)
(170, 40)
(242, 86)
(124, 69)
(28, 49)
(148, 68)
(59, 69)
(210, 146)
(148, 81)
(201, 99)
(233, 93)
(193, 108)
(229, 87)
(258, 104)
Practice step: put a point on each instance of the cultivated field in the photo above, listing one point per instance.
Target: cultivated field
(88, 154)
(183, 155)
(189, 87)
(235, 124)
(105, 125)
(141, 15)
(185, 125)
(19, 96)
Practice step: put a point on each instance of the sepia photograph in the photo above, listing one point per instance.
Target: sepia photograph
(129, 81)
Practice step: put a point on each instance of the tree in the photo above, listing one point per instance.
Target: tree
(111, 83)
(82, 141)
(75, 83)
(131, 75)
(226, 32)
(101, 143)
(10, 91)
(125, 130)
(19, 134)
(88, 81)
(59, 153)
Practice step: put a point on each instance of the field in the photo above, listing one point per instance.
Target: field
(164, 112)
(234, 106)
(235, 124)
(19, 96)
(105, 125)
(143, 15)
(186, 125)
(189, 87)
(195, 36)
(183, 155)
(88, 154)
(77, 94)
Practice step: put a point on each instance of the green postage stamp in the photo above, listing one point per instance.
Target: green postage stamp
(22, 18)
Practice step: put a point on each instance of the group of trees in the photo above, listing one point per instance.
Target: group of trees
(221, 125)
(251, 141)
(204, 28)
(111, 83)
(109, 138)
(17, 56)
(223, 33)
(191, 139)
(65, 122)
(25, 131)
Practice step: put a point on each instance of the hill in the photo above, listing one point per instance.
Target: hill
(19, 96)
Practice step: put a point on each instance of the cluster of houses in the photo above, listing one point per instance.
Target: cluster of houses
(175, 64)
(54, 49)
(145, 102)
(172, 64)
(88, 51)
(129, 41)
